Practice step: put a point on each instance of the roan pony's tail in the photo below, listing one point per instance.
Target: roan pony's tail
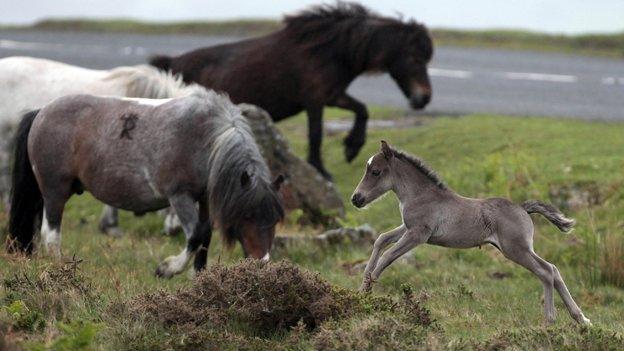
(26, 199)
(161, 62)
(551, 213)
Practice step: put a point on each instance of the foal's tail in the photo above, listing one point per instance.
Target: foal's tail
(26, 199)
(551, 213)
(161, 62)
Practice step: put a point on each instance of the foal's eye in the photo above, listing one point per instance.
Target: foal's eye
(376, 172)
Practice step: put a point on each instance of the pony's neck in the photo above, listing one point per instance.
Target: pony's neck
(409, 183)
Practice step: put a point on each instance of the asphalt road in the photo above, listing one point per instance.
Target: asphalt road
(464, 80)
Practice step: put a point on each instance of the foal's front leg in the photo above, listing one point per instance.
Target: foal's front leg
(408, 241)
(185, 208)
(381, 243)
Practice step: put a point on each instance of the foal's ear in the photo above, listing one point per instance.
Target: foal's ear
(245, 179)
(277, 183)
(385, 149)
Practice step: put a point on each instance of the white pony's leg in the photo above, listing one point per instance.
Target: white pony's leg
(5, 152)
(172, 222)
(109, 222)
(50, 237)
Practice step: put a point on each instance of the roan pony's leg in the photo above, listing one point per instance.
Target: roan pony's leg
(408, 241)
(381, 243)
(51, 226)
(194, 229)
(109, 222)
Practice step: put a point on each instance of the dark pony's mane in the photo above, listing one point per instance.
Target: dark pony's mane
(354, 34)
(421, 166)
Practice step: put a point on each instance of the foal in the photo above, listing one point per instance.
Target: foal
(434, 214)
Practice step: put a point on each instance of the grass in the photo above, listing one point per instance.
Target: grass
(611, 45)
(478, 299)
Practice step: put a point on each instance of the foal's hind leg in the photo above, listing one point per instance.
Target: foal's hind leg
(543, 270)
(572, 307)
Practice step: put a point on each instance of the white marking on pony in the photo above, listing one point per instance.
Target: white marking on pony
(172, 223)
(370, 160)
(173, 265)
(51, 237)
(150, 182)
(147, 102)
(266, 257)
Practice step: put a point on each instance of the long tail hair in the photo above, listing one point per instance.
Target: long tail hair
(26, 198)
(551, 213)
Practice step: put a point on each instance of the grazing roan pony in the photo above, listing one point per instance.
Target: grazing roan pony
(434, 214)
(30, 83)
(143, 155)
(309, 64)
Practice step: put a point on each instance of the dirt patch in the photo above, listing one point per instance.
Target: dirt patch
(264, 296)
(256, 305)
(500, 275)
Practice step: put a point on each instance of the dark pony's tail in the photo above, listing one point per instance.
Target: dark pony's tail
(26, 199)
(161, 62)
(551, 213)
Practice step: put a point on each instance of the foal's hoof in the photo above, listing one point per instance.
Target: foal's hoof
(585, 321)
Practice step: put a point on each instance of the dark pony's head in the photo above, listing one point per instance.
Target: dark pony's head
(365, 41)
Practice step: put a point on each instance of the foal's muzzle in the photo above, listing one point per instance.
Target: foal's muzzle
(358, 200)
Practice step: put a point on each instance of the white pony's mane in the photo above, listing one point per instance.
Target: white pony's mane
(144, 81)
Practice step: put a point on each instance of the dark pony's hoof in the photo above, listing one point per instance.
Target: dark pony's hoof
(352, 148)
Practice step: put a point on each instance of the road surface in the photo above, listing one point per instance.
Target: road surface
(465, 80)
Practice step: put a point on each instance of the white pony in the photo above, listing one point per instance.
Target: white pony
(28, 83)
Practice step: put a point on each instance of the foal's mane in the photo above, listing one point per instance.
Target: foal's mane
(420, 165)
(327, 29)
(233, 150)
(145, 81)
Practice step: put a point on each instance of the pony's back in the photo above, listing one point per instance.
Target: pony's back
(30, 83)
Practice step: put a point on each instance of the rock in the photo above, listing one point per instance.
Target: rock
(363, 235)
(304, 188)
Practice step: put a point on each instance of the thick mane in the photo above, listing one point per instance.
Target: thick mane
(421, 166)
(144, 81)
(350, 29)
(233, 151)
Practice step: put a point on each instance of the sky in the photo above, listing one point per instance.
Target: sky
(553, 16)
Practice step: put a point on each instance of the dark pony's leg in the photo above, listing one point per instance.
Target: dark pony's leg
(315, 139)
(357, 136)
(203, 234)
(184, 206)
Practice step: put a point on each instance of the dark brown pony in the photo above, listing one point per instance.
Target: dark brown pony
(309, 64)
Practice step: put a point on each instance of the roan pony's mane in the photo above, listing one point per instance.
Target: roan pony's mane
(420, 165)
(233, 150)
(350, 28)
(145, 81)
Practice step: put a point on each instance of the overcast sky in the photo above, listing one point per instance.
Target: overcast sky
(557, 16)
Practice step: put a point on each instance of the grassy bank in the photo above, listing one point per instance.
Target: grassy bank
(478, 299)
(611, 45)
